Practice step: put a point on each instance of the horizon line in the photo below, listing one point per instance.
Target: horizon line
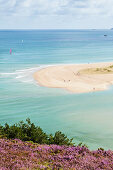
(56, 29)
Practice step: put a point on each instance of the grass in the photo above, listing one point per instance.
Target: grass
(103, 70)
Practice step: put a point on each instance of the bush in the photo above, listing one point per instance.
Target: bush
(29, 132)
(61, 139)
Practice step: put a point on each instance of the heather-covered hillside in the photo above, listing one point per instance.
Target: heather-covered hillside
(16, 154)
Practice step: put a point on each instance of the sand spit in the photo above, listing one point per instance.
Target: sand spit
(77, 78)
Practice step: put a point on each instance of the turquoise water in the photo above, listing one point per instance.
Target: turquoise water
(88, 118)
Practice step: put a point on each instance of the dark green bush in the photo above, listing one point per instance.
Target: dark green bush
(29, 132)
(61, 139)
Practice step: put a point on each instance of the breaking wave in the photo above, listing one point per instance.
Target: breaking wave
(25, 75)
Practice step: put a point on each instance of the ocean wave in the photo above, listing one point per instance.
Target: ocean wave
(24, 75)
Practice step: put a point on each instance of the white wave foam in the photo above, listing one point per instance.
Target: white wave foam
(25, 75)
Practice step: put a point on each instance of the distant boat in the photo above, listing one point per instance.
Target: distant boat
(105, 35)
(10, 51)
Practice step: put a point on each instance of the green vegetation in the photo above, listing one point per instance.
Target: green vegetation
(29, 132)
(103, 70)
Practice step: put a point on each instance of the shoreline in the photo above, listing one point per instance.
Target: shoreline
(70, 77)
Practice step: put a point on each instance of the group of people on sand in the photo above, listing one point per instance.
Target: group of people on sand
(70, 80)
(78, 74)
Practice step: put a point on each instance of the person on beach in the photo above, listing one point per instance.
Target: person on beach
(78, 74)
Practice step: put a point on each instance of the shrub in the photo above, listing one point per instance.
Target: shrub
(29, 132)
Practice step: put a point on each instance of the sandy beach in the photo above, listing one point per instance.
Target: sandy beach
(77, 78)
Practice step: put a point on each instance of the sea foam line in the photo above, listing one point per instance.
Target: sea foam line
(24, 75)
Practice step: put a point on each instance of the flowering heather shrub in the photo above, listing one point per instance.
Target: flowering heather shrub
(15, 154)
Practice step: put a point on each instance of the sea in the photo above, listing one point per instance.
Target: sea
(87, 117)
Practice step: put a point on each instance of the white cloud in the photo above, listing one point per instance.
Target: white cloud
(55, 7)
(74, 9)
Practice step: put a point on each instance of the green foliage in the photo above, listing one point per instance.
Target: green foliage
(101, 149)
(81, 144)
(29, 132)
(61, 139)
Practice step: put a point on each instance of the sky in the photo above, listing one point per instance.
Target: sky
(56, 14)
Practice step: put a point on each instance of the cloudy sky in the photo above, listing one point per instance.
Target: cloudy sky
(56, 14)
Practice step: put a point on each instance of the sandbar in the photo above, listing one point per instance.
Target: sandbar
(77, 78)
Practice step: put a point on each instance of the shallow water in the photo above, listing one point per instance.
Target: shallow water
(88, 118)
